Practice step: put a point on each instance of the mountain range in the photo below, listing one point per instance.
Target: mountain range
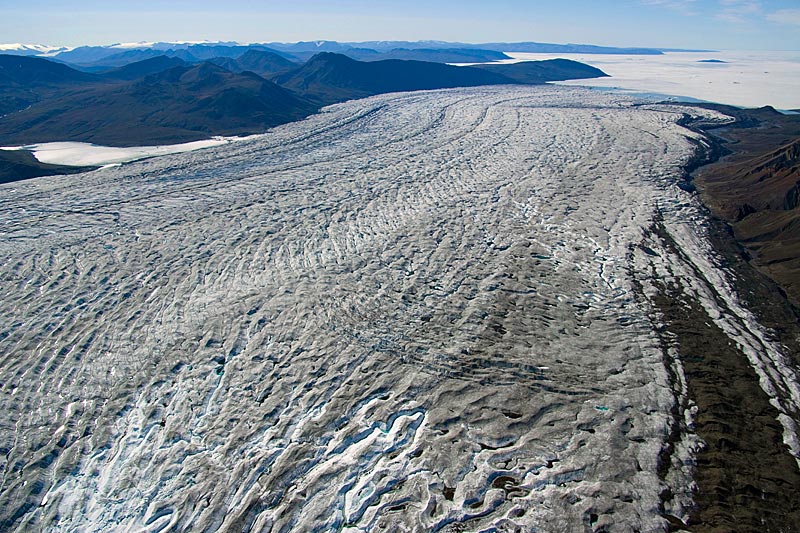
(387, 46)
(167, 99)
(119, 54)
(26, 80)
(31, 49)
(167, 103)
(328, 77)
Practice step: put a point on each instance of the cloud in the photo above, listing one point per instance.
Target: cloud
(785, 16)
(684, 6)
(739, 11)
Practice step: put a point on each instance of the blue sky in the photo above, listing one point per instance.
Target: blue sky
(717, 24)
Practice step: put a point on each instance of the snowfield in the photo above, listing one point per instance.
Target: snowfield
(740, 78)
(88, 155)
(414, 311)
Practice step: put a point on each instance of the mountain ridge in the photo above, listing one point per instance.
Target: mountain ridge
(93, 53)
(262, 62)
(165, 99)
(180, 104)
(329, 77)
(532, 72)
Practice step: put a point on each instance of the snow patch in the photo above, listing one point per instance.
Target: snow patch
(40, 49)
(79, 154)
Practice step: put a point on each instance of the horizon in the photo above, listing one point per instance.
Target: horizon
(55, 46)
(686, 24)
(148, 43)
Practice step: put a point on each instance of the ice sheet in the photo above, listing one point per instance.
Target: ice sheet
(747, 79)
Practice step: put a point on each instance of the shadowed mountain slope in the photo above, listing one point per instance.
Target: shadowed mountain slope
(140, 69)
(532, 72)
(37, 72)
(164, 100)
(329, 77)
(261, 62)
(127, 57)
(177, 105)
(16, 165)
(26, 80)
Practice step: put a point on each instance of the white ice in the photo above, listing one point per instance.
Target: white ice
(89, 155)
(746, 79)
(40, 48)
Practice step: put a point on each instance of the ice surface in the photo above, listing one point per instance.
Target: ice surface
(748, 79)
(414, 311)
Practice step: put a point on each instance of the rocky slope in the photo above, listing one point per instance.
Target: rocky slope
(756, 188)
(181, 104)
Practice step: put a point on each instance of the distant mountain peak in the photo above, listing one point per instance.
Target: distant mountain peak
(139, 44)
(145, 67)
(36, 71)
(169, 44)
(331, 56)
(31, 49)
(21, 46)
(204, 75)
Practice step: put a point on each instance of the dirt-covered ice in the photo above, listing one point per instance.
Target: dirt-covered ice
(414, 311)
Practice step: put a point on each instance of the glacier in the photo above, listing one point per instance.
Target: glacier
(415, 311)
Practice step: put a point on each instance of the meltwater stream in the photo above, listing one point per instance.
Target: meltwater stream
(413, 312)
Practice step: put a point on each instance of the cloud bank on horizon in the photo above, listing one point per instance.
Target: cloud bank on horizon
(716, 24)
(734, 11)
